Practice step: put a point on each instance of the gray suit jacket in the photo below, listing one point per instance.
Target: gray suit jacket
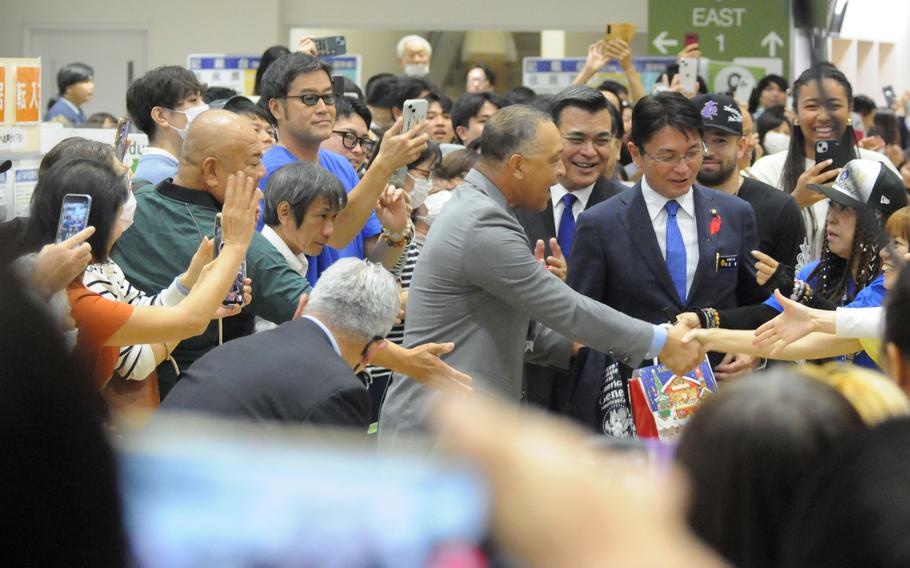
(478, 284)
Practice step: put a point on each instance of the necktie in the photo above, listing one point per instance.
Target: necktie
(566, 224)
(676, 251)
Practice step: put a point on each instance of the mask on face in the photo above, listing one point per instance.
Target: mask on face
(419, 192)
(128, 212)
(417, 69)
(191, 114)
(776, 142)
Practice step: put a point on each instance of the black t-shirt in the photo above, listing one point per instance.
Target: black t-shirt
(777, 216)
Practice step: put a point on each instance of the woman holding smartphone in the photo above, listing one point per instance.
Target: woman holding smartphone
(822, 100)
(105, 325)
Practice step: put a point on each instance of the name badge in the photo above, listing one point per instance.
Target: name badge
(726, 262)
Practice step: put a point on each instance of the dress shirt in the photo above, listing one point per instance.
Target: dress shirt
(327, 333)
(297, 262)
(685, 218)
(556, 194)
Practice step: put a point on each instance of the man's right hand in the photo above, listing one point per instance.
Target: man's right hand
(679, 356)
(398, 149)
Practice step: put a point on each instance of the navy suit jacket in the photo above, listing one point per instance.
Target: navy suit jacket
(616, 260)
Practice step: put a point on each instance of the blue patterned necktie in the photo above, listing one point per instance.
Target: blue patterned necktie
(676, 251)
(566, 224)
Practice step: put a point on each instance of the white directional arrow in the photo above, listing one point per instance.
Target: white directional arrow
(662, 43)
(772, 41)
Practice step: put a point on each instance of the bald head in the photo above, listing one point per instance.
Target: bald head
(219, 143)
(219, 134)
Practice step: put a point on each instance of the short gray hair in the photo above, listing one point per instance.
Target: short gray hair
(511, 130)
(299, 183)
(356, 298)
(412, 38)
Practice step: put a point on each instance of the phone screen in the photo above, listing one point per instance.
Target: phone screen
(73, 215)
(235, 294)
(890, 97)
(215, 493)
(121, 139)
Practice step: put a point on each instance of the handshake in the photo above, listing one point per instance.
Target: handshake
(682, 352)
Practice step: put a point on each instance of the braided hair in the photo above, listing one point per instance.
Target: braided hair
(833, 274)
(795, 164)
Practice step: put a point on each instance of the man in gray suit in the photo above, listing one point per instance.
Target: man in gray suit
(478, 284)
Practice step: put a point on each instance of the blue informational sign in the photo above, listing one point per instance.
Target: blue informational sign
(236, 72)
(346, 65)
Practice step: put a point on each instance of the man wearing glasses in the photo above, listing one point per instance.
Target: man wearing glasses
(667, 245)
(351, 136)
(591, 133)
(298, 91)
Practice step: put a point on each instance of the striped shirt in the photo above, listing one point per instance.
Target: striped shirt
(136, 362)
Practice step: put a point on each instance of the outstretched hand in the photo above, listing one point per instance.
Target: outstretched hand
(793, 323)
(555, 263)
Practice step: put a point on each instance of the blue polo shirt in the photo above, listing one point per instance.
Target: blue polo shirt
(279, 156)
(872, 296)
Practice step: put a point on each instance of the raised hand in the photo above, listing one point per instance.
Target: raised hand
(59, 264)
(238, 215)
(764, 268)
(555, 263)
(393, 209)
(793, 323)
(398, 149)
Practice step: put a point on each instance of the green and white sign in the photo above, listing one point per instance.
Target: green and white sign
(727, 29)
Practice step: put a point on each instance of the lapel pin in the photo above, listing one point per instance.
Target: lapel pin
(714, 227)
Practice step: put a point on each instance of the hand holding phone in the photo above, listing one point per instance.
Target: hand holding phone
(688, 75)
(121, 138)
(412, 112)
(832, 150)
(890, 96)
(332, 45)
(235, 293)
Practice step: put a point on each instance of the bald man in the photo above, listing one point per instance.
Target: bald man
(172, 218)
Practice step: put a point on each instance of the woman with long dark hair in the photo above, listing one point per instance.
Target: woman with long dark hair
(822, 100)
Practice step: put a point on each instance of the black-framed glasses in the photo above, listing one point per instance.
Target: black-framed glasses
(349, 140)
(669, 158)
(312, 100)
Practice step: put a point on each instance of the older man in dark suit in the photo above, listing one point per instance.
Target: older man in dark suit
(664, 247)
(591, 131)
(302, 371)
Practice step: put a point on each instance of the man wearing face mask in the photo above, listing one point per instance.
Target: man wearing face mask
(777, 216)
(302, 371)
(414, 55)
(162, 104)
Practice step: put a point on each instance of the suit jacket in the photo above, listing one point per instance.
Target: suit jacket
(548, 386)
(539, 225)
(616, 260)
(477, 284)
(290, 373)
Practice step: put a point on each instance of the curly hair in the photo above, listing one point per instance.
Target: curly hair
(833, 274)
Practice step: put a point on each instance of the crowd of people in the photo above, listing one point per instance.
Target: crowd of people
(510, 248)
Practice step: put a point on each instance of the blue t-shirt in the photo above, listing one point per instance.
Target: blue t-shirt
(872, 296)
(155, 167)
(279, 156)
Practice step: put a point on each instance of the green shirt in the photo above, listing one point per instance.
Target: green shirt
(169, 224)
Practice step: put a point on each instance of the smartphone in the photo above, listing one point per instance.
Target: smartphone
(623, 31)
(691, 38)
(73, 215)
(332, 45)
(890, 97)
(832, 150)
(235, 294)
(121, 138)
(413, 111)
(688, 74)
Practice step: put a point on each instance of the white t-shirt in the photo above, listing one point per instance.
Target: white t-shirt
(770, 170)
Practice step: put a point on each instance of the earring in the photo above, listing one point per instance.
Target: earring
(850, 121)
(795, 122)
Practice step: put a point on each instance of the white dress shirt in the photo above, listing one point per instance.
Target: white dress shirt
(685, 218)
(557, 192)
(297, 262)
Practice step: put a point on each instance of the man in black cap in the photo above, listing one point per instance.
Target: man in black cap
(777, 217)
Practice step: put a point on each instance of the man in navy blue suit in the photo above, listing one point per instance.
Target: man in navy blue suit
(664, 247)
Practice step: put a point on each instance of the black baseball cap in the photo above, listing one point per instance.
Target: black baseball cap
(866, 183)
(720, 112)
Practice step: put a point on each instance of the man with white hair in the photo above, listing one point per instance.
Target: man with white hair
(304, 370)
(415, 54)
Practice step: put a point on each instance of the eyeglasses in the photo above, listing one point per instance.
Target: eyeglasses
(670, 158)
(349, 140)
(313, 100)
(581, 140)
